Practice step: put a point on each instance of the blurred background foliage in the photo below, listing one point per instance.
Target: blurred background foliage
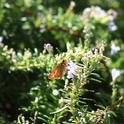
(26, 25)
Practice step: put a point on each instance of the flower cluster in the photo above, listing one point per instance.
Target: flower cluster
(102, 16)
(94, 12)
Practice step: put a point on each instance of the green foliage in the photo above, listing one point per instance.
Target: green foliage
(35, 36)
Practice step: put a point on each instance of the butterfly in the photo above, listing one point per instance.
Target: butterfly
(58, 71)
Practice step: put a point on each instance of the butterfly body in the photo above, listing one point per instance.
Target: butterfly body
(58, 71)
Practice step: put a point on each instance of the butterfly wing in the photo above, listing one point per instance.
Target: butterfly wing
(57, 71)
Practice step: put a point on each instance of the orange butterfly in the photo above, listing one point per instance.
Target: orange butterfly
(58, 71)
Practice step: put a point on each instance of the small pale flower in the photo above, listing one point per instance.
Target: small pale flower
(114, 49)
(86, 13)
(7, 5)
(112, 26)
(42, 30)
(112, 14)
(72, 3)
(115, 73)
(23, 19)
(55, 92)
(71, 70)
(47, 48)
(99, 12)
(1, 39)
(70, 75)
(1, 43)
